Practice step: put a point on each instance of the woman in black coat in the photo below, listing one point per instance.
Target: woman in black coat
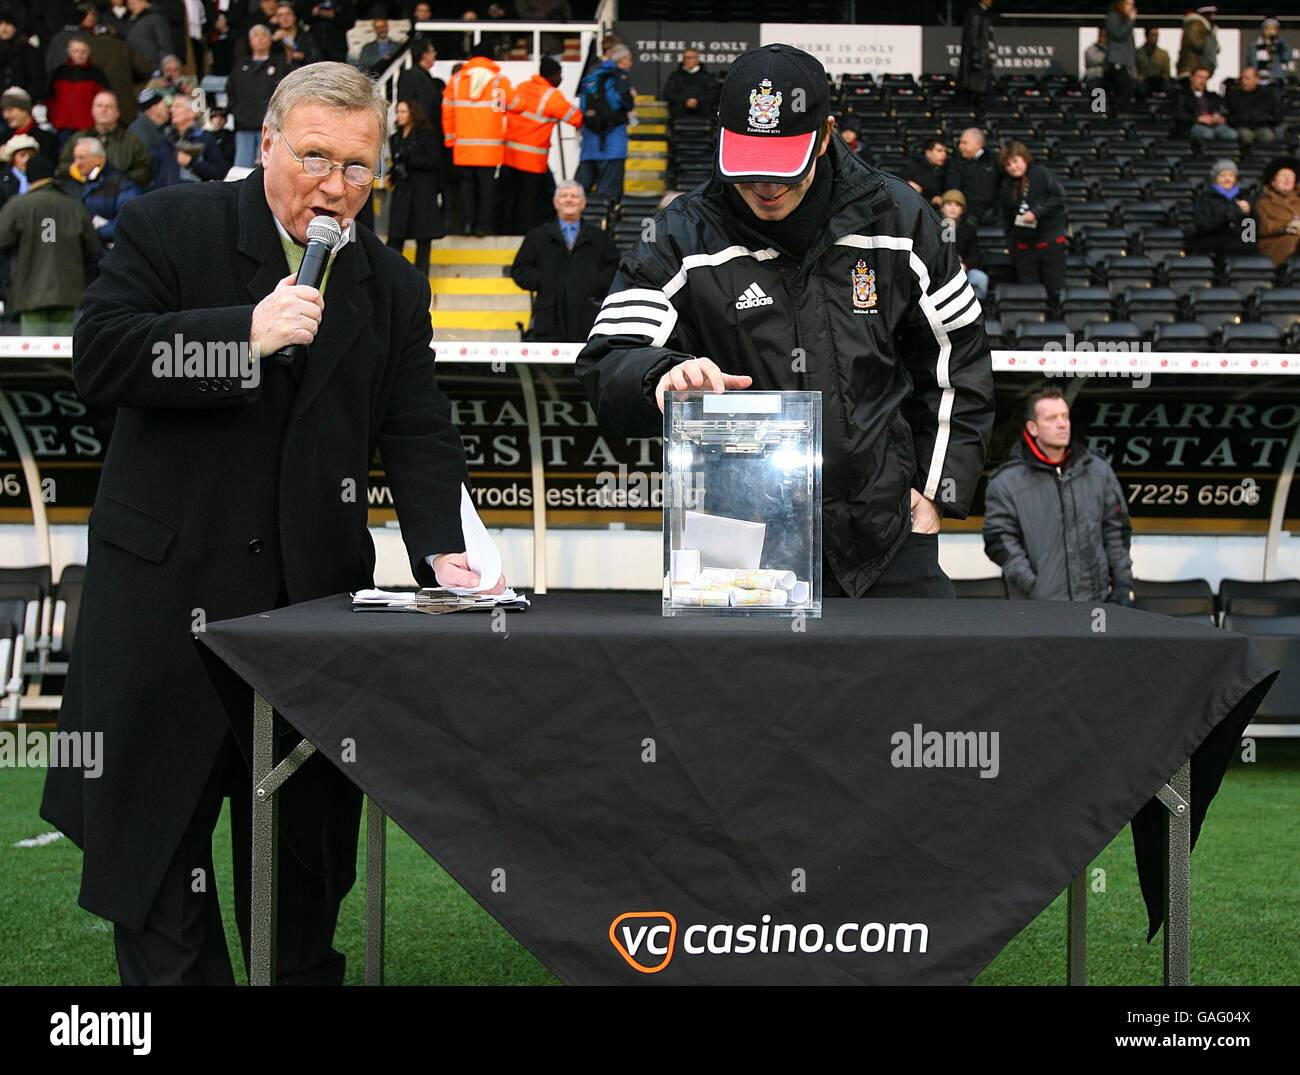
(1033, 211)
(1219, 208)
(415, 181)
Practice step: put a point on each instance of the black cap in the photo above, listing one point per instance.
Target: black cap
(774, 102)
(39, 168)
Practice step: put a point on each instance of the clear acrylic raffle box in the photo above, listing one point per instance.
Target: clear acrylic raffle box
(743, 503)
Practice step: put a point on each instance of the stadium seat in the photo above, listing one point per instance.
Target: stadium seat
(1266, 606)
(1181, 336)
(1189, 273)
(1251, 336)
(1246, 271)
(1216, 306)
(1183, 608)
(1278, 306)
(1149, 306)
(1080, 304)
(1157, 243)
(67, 610)
(1122, 272)
(1125, 333)
(1079, 271)
(996, 334)
(992, 587)
(1021, 302)
(1031, 335)
(1231, 590)
(1266, 626)
(1100, 241)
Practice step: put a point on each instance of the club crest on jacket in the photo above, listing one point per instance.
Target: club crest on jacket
(864, 286)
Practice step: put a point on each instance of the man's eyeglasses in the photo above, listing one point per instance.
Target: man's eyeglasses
(319, 167)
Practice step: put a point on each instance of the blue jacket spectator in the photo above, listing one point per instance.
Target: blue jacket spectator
(102, 188)
(607, 98)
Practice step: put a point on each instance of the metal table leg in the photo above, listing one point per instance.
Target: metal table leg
(376, 847)
(1076, 931)
(1177, 798)
(262, 957)
(268, 778)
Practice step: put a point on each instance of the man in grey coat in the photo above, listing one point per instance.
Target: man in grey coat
(1055, 518)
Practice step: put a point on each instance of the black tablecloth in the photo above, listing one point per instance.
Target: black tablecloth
(720, 777)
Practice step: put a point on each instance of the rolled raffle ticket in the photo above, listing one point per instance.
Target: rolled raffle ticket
(685, 565)
(764, 598)
(701, 598)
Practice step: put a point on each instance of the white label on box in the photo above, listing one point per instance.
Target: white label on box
(742, 403)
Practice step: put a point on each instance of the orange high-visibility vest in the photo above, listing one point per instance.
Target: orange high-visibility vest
(535, 109)
(474, 114)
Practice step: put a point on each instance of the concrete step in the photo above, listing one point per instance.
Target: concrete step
(457, 285)
(478, 320)
(474, 242)
(651, 128)
(491, 271)
(640, 185)
(645, 164)
(484, 303)
(470, 256)
(466, 335)
(653, 144)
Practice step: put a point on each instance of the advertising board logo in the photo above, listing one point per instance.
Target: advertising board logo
(645, 939)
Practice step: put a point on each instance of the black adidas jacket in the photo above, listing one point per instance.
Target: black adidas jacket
(878, 317)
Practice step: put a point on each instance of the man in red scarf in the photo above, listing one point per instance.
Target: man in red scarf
(1055, 517)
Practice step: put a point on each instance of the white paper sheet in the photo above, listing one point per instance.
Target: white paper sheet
(724, 542)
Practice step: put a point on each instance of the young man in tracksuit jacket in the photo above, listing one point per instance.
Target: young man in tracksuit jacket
(1055, 519)
(798, 267)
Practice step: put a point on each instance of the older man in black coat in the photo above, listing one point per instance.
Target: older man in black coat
(228, 492)
(569, 265)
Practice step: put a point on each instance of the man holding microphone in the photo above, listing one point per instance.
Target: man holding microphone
(799, 267)
(226, 495)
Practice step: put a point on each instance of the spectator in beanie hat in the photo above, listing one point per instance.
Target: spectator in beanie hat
(16, 107)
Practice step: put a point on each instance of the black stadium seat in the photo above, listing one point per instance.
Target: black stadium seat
(1245, 272)
(1278, 306)
(1127, 271)
(1230, 590)
(1149, 306)
(1034, 335)
(1252, 336)
(1081, 304)
(1022, 302)
(1216, 306)
(1125, 333)
(1182, 336)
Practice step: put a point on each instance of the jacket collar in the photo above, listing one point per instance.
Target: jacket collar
(348, 307)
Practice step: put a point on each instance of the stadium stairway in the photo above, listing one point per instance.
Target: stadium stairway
(647, 152)
(473, 295)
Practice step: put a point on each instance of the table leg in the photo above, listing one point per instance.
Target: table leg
(376, 847)
(1177, 798)
(1076, 931)
(262, 926)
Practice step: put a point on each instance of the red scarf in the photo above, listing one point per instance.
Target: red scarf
(1038, 453)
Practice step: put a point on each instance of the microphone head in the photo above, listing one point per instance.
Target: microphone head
(324, 229)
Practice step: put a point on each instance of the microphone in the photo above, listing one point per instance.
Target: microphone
(323, 235)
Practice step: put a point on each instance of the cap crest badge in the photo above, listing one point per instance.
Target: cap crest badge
(764, 108)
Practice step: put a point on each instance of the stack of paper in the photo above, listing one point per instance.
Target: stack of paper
(434, 600)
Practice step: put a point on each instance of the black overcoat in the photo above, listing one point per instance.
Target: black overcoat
(218, 500)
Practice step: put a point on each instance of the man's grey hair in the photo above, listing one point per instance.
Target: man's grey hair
(618, 52)
(260, 28)
(977, 132)
(96, 146)
(169, 56)
(570, 184)
(334, 85)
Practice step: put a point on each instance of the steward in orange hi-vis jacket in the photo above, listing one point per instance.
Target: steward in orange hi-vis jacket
(535, 108)
(474, 113)
(474, 128)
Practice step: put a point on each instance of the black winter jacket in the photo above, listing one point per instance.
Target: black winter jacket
(878, 317)
(1059, 533)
